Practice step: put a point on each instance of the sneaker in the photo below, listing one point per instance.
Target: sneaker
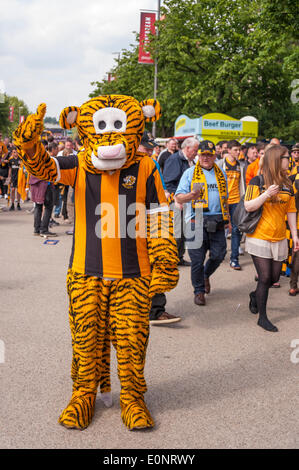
(48, 234)
(235, 265)
(36, 234)
(5, 196)
(19, 207)
(165, 318)
(53, 222)
(12, 207)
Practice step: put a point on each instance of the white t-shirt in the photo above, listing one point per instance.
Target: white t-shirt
(60, 154)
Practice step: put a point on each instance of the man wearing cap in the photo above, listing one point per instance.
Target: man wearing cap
(204, 186)
(158, 315)
(174, 168)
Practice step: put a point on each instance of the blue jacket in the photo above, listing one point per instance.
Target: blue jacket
(174, 167)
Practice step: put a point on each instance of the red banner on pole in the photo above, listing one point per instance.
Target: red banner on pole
(11, 110)
(111, 77)
(147, 26)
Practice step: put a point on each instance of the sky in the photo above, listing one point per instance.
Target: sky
(51, 50)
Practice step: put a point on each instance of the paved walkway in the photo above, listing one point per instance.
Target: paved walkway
(215, 380)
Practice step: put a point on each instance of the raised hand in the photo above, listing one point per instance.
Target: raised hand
(28, 132)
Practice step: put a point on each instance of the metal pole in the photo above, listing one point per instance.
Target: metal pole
(156, 68)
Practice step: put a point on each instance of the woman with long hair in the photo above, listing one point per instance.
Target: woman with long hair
(267, 245)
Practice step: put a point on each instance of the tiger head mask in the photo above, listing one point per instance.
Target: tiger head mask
(111, 127)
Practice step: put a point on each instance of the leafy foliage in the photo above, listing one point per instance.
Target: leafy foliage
(50, 120)
(20, 109)
(238, 58)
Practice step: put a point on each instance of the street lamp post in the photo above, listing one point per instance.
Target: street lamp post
(156, 68)
(20, 107)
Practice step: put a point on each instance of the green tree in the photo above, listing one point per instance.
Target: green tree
(4, 116)
(237, 58)
(50, 120)
(20, 109)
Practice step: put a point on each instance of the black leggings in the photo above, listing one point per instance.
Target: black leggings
(268, 272)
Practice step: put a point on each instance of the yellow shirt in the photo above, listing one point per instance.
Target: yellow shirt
(272, 224)
(295, 180)
(3, 149)
(295, 168)
(233, 174)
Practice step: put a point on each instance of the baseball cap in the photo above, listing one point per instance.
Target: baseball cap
(147, 141)
(206, 146)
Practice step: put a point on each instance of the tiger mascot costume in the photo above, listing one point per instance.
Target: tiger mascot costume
(112, 274)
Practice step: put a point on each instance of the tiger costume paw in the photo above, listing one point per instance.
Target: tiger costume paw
(79, 412)
(28, 132)
(135, 415)
(164, 278)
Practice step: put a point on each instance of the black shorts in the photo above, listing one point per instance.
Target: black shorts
(14, 181)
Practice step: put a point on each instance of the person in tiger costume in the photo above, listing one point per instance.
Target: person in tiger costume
(112, 274)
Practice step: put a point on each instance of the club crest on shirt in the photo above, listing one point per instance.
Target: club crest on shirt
(129, 181)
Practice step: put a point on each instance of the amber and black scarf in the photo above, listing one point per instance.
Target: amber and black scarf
(203, 201)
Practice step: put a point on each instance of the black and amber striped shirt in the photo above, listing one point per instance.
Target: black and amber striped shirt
(110, 217)
(295, 181)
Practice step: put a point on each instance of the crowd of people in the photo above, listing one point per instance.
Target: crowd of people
(214, 178)
(195, 175)
(50, 201)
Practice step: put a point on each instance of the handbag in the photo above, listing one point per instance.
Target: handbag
(247, 221)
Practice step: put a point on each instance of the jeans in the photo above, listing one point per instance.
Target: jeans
(42, 225)
(57, 199)
(215, 243)
(236, 235)
(64, 202)
(158, 306)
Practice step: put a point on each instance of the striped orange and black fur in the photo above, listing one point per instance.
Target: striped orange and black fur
(100, 309)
